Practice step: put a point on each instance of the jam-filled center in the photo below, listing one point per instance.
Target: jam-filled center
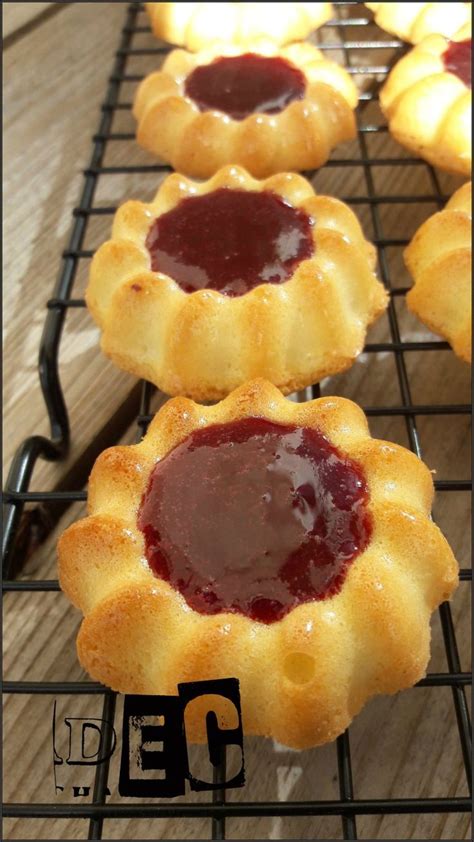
(457, 59)
(254, 518)
(230, 240)
(246, 84)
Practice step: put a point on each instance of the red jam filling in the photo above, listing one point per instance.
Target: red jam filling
(254, 518)
(457, 60)
(230, 240)
(247, 84)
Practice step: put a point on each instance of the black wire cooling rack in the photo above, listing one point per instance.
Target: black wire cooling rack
(39, 447)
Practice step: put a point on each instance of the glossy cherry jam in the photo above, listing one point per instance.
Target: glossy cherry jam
(246, 84)
(458, 60)
(230, 240)
(254, 518)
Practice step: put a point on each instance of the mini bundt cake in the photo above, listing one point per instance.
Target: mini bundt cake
(439, 261)
(427, 100)
(266, 540)
(269, 110)
(198, 25)
(414, 21)
(214, 283)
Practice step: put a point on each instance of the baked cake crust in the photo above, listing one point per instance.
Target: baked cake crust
(303, 678)
(414, 21)
(197, 143)
(197, 25)
(428, 108)
(204, 344)
(440, 263)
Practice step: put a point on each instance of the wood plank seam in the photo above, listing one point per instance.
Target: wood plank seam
(32, 24)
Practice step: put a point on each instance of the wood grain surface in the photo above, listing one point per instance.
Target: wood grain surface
(56, 77)
(402, 746)
(17, 17)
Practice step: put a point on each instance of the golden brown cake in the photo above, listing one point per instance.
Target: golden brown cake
(414, 21)
(427, 101)
(267, 109)
(214, 283)
(439, 261)
(266, 540)
(199, 25)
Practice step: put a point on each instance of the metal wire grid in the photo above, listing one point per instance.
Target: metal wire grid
(17, 494)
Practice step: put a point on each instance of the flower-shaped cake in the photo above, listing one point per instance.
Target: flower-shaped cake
(427, 99)
(440, 262)
(266, 540)
(267, 109)
(198, 25)
(214, 283)
(414, 21)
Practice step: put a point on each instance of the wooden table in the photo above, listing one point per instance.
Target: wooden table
(57, 61)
